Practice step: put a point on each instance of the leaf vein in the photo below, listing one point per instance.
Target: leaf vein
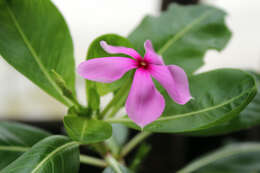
(34, 55)
(183, 32)
(38, 166)
(83, 130)
(14, 148)
(189, 113)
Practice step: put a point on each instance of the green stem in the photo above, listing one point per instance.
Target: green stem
(113, 146)
(117, 99)
(107, 108)
(134, 142)
(113, 163)
(92, 161)
(139, 156)
(117, 107)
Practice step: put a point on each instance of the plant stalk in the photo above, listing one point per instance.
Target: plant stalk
(134, 142)
(92, 161)
(117, 99)
(113, 163)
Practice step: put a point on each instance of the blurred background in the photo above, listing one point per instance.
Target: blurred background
(20, 99)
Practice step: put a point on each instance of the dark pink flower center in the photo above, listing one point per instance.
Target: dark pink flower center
(143, 64)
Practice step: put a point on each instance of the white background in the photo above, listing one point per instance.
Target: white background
(19, 98)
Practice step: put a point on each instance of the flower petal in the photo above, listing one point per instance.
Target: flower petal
(144, 103)
(119, 49)
(174, 80)
(106, 69)
(150, 55)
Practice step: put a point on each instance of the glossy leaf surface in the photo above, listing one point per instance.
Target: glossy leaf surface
(15, 139)
(53, 154)
(35, 39)
(249, 117)
(183, 34)
(87, 130)
(233, 158)
(219, 95)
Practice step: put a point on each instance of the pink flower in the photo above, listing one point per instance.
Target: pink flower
(144, 103)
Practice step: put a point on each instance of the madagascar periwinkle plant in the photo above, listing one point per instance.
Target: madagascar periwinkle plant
(150, 73)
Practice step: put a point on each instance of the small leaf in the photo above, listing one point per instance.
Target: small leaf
(53, 154)
(219, 96)
(96, 51)
(15, 139)
(183, 34)
(233, 158)
(87, 130)
(35, 39)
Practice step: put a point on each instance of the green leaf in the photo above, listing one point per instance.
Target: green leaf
(96, 51)
(233, 158)
(219, 95)
(249, 117)
(53, 154)
(35, 39)
(15, 139)
(87, 130)
(183, 34)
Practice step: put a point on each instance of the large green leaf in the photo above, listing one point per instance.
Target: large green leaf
(249, 117)
(183, 34)
(35, 39)
(53, 154)
(87, 130)
(219, 95)
(96, 51)
(233, 158)
(15, 139)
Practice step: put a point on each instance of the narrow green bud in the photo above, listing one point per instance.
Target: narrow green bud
(62, 85)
